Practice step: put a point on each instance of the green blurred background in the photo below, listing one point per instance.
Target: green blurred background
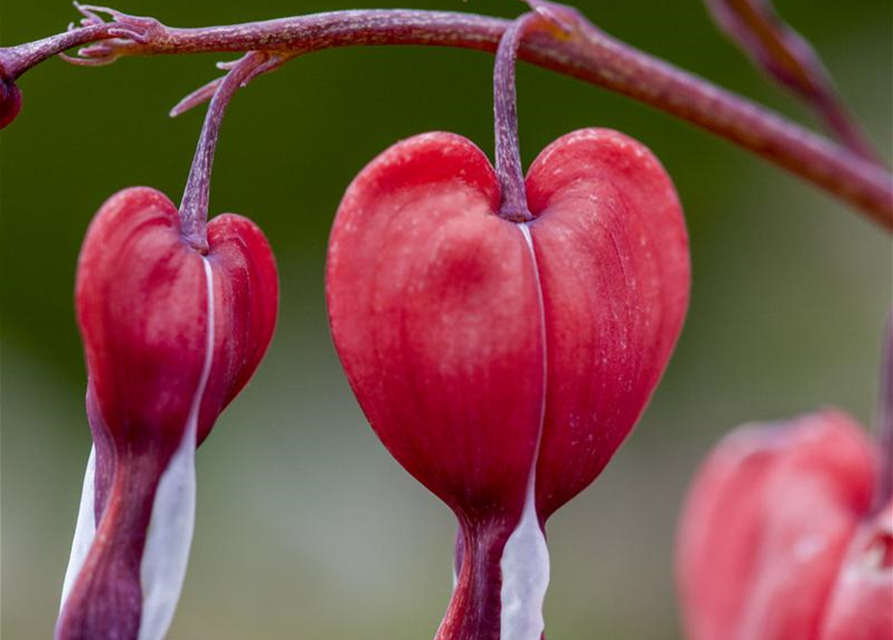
(306, 528)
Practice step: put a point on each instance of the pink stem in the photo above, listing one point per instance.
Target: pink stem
(196, 197)
(14, 61)
(587, 54)
(505, 110)
(791, 61)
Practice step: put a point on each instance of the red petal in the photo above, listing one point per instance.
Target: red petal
(246, 297)
(445, 330)
(435, 313)
(141, 301)
(143, 305)
(612, 251)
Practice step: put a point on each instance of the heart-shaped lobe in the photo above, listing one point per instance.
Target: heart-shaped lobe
(477, 346)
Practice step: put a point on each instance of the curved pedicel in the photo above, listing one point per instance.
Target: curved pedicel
(175, 316)
(502, 338)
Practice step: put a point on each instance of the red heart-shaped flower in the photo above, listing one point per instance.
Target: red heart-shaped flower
(142, 304)
(171, 336)
(500, 361)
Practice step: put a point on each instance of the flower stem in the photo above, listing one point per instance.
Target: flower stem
(475, 606)
(196, 196)
(513, 205)
(106, 600)
(14, 61)
(587, 54)
(791, 61)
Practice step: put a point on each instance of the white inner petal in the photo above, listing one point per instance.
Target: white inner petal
(525, 559)
(84, 530)
(166, 553)
(525, 578)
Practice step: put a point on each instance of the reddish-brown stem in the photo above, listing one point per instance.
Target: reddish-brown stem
(475, 607)
(789, 59)
(14, 61)
(513, 205)
(196, 196)
(587, 54)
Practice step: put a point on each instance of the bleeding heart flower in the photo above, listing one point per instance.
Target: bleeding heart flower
(787, 534)
(175, 316)
(502, 336)
(171, 336)
(502, 363)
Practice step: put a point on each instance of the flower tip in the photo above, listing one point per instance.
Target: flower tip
(10, 102)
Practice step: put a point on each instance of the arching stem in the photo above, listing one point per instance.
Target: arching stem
(791, 61)
(196, 197)
(14, 61)
(587, 53)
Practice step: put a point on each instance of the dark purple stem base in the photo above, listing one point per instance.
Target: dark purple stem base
(106, 600)
(475, 607)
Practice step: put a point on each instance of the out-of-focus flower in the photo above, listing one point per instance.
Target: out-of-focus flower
(787, 534)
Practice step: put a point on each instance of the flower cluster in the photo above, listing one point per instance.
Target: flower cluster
(502, 332)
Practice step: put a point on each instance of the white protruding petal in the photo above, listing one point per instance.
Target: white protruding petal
(169, 537)
(84, 530)
(525, 578)
(166, 554)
